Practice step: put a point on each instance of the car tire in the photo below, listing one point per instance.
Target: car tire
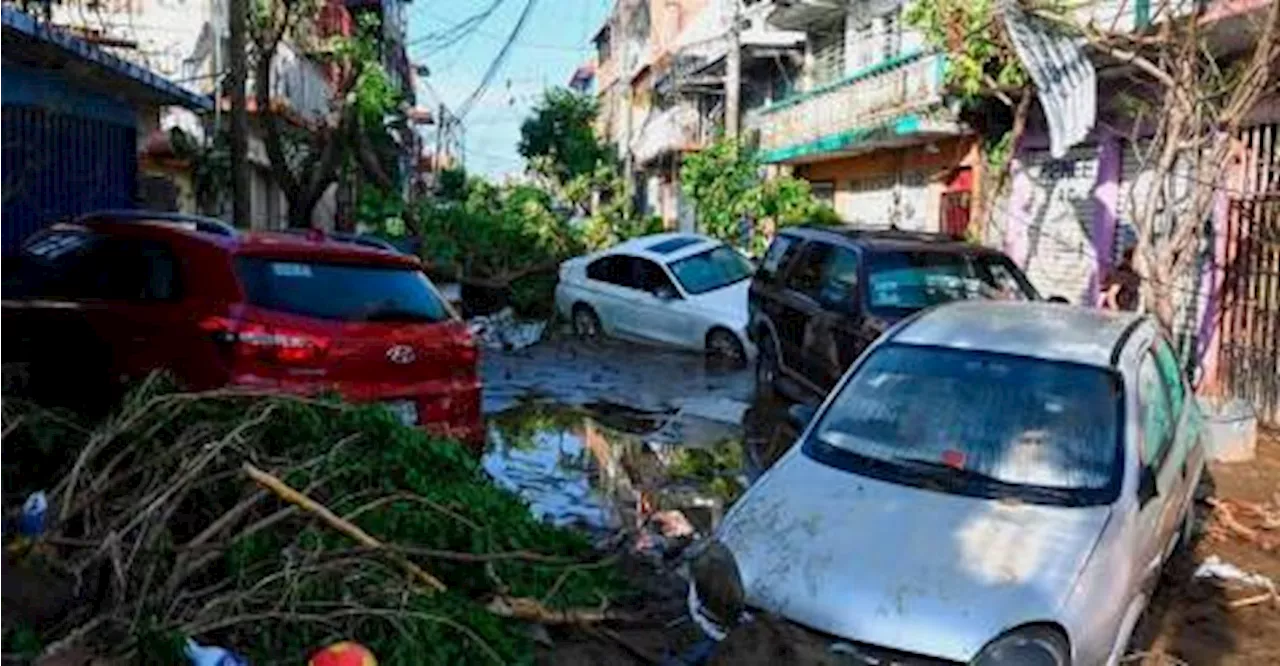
(725, 347)
(586, 323)
(766, 368)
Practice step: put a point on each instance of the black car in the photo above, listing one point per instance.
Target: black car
(821, 295)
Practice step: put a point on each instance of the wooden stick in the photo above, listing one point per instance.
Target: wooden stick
(307, 504)
(532, 610)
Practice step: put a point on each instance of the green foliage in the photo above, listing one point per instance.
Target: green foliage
(559, 139)
(210, 165)
(278, 593)
(725, 183)
(977, 48)
(494, 233)
(380, 211)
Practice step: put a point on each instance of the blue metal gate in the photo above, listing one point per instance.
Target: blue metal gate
(57, 165)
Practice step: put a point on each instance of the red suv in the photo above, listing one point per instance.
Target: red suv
(117, 294)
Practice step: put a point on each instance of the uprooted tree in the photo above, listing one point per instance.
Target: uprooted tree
(1191, 94)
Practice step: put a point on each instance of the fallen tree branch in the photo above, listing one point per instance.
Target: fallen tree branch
(532, 610)
(311, 506)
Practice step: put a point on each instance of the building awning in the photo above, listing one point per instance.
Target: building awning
(34, 43)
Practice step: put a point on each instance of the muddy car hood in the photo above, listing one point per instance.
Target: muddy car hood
(903, 567)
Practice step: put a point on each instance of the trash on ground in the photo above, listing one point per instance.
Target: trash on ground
(501, 331)
(1249, 521)
(1215, 568)
(202, 655)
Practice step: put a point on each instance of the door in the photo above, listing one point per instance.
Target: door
(836, 333)
(797, 304)
(1186, 456)
(658, 311)
(611, 283)
(1158, 513)
(763, 302)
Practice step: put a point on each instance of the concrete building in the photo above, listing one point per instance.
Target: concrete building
(186, 41)
(76, 119)
(867, 122)
(660, 76)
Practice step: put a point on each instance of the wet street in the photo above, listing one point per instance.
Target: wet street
(606, 435)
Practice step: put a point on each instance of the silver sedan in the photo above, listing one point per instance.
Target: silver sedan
(990, 483)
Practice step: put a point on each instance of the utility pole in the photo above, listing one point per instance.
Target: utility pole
(733, 77)
(439, 161)
(237, 61)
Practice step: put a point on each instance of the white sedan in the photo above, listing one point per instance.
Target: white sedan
(677, 289)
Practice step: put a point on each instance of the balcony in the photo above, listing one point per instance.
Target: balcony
(895, 102)
(672, 130)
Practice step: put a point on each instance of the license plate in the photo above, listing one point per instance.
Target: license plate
(405, 410)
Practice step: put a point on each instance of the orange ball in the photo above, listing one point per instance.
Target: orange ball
(345, 653)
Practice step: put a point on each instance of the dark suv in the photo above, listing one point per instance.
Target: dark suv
(821, 295)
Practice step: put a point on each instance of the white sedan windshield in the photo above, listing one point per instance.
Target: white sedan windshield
(711, 270)
(989, 418)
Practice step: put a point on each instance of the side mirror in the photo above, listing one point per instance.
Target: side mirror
(1147, 488)
(800, 415)
(1059, 299)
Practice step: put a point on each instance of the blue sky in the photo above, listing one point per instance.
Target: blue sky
(556, 40)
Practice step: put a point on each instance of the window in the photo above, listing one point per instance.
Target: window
(913, 280)
(827, 47)
(343, 292)
(714, 269)
(650, 277)
(672, 244)
(1157, 418)
(613, 270)
(977, 423)
(1171, 375)
(839, 289)
(806, 274)
(775, 259)
(83, 265)
(1003, 279)
(824, 191)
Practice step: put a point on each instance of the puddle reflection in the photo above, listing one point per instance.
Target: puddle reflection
(604, 466)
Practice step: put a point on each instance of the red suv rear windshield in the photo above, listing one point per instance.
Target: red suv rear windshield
(343, 292)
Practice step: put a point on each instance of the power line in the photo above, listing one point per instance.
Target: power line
(498, 60)
(459, 30)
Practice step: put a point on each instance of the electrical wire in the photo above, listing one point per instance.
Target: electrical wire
(450, 35)
(498, 60)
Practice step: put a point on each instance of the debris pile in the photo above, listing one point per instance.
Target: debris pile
(1256, 523)
(273, 525)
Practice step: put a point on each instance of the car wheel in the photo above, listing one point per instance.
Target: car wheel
(723, 345)
(766, 368)
(586, 323)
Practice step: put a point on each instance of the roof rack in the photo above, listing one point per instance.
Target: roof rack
(205, 225)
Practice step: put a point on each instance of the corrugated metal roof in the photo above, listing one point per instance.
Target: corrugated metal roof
(26, 25)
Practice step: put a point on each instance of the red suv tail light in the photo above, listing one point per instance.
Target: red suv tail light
(262, 342)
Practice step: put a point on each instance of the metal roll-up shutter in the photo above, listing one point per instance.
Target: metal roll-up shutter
(1060, 253)
(913, 202)
(870, 202)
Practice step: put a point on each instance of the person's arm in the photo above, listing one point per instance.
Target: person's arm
(1111, 297)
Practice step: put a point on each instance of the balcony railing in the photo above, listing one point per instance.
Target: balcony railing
(855, 104)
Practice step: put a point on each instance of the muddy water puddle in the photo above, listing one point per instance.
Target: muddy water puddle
(604, 467)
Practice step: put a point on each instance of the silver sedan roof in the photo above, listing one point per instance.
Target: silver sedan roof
(1049, 331)
(644, 246)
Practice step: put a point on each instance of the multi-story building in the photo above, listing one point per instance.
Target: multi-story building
(867, 123)
(660, 76)
(187, 41)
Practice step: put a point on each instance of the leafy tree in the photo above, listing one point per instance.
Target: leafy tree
(559, 139)
(732, 198)
(307, 155)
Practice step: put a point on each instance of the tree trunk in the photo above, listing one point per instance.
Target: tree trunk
(238, 11)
